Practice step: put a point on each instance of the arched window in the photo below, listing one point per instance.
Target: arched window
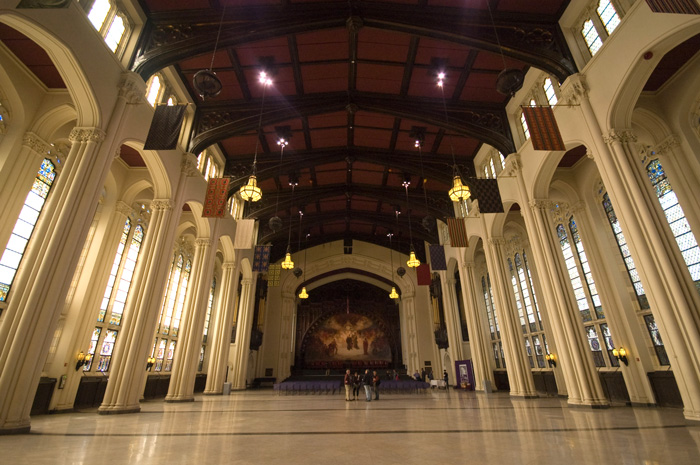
(608, 15)
(110, 22)
(153, 90)
(493, 167)
(523, 125)
(24, 227)
(586, 295)
(591, 36)
(207, 319)
(676, 219)
(496, 344)
(549, 91)
(503, 160)
(644, 309)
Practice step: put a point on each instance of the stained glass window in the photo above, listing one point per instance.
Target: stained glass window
(574, 276)
(656, 340)
(539, 353)
(583, 260)
(518, 304)
(496, 355)
(590, 35)
(676, 219)
(201, 358)
(594, 344)
(489, 312)
(93, 347)
(169, 358)
(106, 350)
(160, 354)
(210, 305)
(127, 275)
(493, 307)
(609, 344)
(172, 295)
(181, 299)
(115, 270)
(526, 293)
(608, 15)
(24, 227)
(528, 351)
(625, 252)
(534, 296)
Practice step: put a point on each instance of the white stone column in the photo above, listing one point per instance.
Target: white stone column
(181, 387)
(452, 318)
(18, 174)
(81, 324)
(478, 340)
(582, 381)
(286, 348)
(128, 370)
(221, 336)
(245, 323)
(43, 280)
(411, 353)
(519, 374)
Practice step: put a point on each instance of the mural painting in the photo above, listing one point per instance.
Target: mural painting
(348, 336)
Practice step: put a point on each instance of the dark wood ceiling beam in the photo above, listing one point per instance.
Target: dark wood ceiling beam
(533, 39)
(240, 75)
(410, 63)
(485, 122)
(296, 67)
(464, 75)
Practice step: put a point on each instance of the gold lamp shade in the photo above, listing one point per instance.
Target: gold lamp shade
(459, 191)
(412, 262)
(251, 191)
(393, 294)
(288, 264)
(303, 294)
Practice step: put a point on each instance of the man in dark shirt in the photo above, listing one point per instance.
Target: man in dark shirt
(367, 383)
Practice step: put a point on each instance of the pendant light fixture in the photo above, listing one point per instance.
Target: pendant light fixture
(392, 294)
(303, 294)
(288, 264)
(250, 191)
(283, 136)
(412, 262)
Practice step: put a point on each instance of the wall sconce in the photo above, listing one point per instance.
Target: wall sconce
(81, 360)
(621, 355)
(150, 362)
(551, 359)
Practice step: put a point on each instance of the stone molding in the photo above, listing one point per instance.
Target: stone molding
(202, 242)
(622, 136)
(86, 135)
(189, 165)
(36, 144)
(162, 205)
(132, 88)
(574, 90)
(666, 146)
(123, 208)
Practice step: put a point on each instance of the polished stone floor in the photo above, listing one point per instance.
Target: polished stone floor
(259, 427)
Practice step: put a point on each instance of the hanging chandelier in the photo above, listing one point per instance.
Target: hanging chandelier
(303, 294)
(392, 294)
(412, 262)
(288, 264)
(459, 191)
(250, 191)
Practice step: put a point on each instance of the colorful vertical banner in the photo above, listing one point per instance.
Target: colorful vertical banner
(687, 7)
(544, 131)
(215, 200)
(458, 232)
(437, 257)
(423, 275)
(261, 259)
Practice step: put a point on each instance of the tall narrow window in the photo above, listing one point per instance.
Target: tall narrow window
(583, 260)
(98, 13)
(549, 91)
(106, 350)
(518, 304)
(503, 160)
(590, 35)
(656, 340)
(523, 124)
(625, 252)
(497, 349)
(608, 15)
(160, 354)
(115, 33)
(24, 227)
(210, 305)
(493, 167)
(110, 22)
(93, 347)
(167, 312)
(676, 219)
(114, 272)
(574, 275)
(181, 299)
(153, 91)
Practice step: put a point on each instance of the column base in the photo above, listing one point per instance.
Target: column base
(15, 430)
(691, 417)
(118, 410)
(213, 393)
(176, 400)
(524, 396)
(594, 404)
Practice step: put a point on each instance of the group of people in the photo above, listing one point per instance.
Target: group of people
(370, 382)
(422, 377)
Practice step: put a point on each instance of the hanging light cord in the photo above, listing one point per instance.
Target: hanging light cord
(279, 175)
(408, 213)
(216, 44)
(422, 175)
(495, 31)
(289, 237)
(257, 138)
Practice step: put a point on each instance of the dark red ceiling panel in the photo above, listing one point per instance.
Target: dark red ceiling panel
(33, 56)
(324, 45)
(325, 78)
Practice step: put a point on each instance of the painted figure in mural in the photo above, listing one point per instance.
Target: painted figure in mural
(365, 345)
(348, 342)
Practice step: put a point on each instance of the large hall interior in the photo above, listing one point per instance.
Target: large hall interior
(213, 209)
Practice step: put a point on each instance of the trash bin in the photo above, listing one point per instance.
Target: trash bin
(488, 389)
(227, 389)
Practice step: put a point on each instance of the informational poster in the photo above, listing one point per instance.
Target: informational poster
(465, 374)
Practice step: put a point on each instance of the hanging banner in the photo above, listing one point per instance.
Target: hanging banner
(273, 275)
(487, 193)
(261, 259)
(165, 127)
(423, 274)
(437, 257)
(458, 232)
(687, 7)
(215, 200)
(544, 131)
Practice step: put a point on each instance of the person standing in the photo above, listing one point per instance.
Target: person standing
(375, 385)
(446, 379)
(356, 382)
(367, 383)
(348, 385)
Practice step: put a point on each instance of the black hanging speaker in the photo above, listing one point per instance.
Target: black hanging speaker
(509, 81)
(206, 83)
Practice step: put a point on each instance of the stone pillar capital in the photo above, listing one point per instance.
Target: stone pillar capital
(123, 208)
(132, 88)
(228, 266)
(666, 146)
(202, 242)
(189, 165)
(619, 135)
(36, 144)
(79, 134)
(574, 90)
(497, 241)
(162, 205)
(541, 204)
